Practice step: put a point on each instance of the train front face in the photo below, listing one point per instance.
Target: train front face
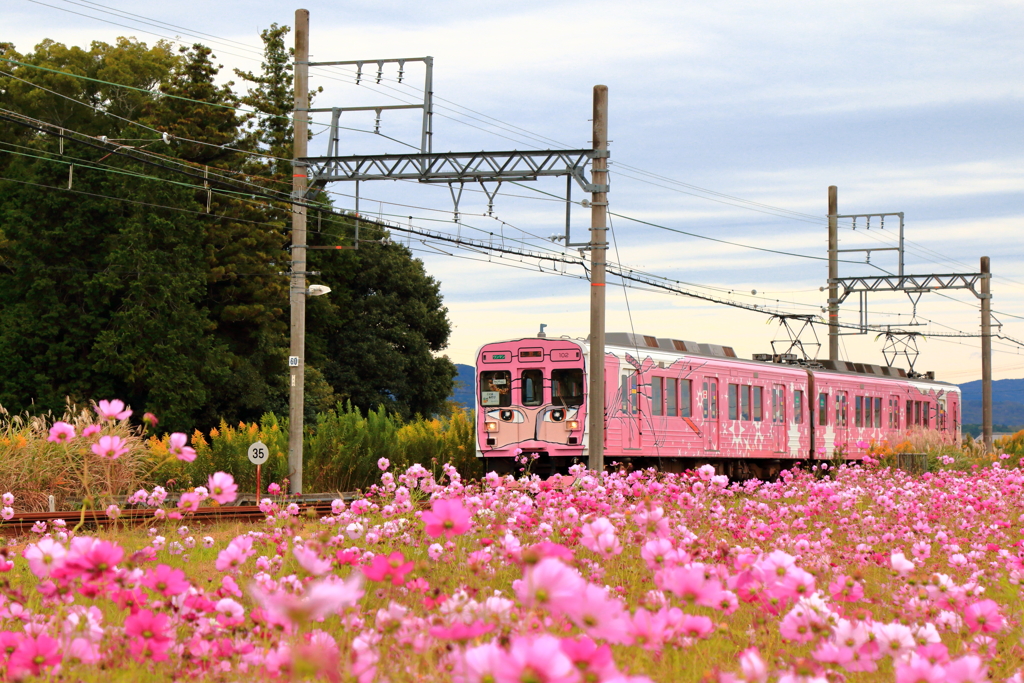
(531, 398)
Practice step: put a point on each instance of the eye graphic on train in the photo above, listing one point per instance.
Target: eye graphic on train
(561, 414)
(506, 415)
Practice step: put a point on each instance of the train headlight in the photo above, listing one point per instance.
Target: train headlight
(491, 426)
(572, 425)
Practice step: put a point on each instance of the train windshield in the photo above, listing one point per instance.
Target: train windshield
(567, 387)
(533, 387)
(495, 388)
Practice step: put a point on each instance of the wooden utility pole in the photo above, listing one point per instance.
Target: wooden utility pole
(598, 260)
(833, 273)
(986, 354)
(297, 281)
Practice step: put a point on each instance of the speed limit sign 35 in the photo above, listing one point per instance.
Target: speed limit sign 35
(258, 453)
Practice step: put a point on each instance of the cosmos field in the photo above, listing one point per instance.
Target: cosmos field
(860, 573)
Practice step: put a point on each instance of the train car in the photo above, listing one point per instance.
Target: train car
(677, 404)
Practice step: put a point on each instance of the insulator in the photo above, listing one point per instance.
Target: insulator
(401, 69)
(359, 72)
(380, 71)
(855, 223)
(883, 222)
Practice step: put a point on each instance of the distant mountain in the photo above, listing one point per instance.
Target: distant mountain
(464, 391)
(1007, 402)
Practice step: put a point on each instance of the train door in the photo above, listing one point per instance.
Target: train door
(842, 419)
(631, 437)
(709, 411)
(894, 413)
(779, 436)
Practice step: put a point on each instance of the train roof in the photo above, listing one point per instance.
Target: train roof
(638, 342)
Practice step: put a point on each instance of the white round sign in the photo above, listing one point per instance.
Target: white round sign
(258, 453)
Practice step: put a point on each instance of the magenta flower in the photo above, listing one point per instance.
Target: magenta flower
(274, 489)
(311, 561)
(149, 637)
(537, 659)
(177, 446)
(33, 656)
(392, 567)
(92, 558)
(113, 410)
(44, 556)
(110, 447)
(90, 430)
(223, 488)
(150, 419)
(113, 512)
(188, 502)
(446, 516)
(61, 432)
(983, 616)
(166, 581)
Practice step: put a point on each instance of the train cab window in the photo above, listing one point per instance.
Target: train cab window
(495, 388)
(734, 391)
(656, 395)
(745, 403)
(858, 411)
(532, 385)
(685, 398)
(822, 409)
(758, 404)
(567, 387)
(798, 406)
(672, 397)
(878, 412)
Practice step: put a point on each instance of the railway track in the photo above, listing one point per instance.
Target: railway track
(22, 523)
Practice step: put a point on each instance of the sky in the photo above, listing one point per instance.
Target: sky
(727, 120)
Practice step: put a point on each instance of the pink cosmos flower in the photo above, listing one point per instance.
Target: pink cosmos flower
(33, 656)
(383, 464)
(113, 512)
(311, 561)
(91, 558)
(447, 516)
(222, 487)
(90, 430)
(549, 584)
(150, 419)
(44, 556)
(166, 581)
(460, 631)
(983, 616)
(7, 513)
(919, 670)
(753, 667)
(479, 664)
(393, 566)
(110, 447)
(61, 432)
(901, 564)
(149, 636)
(113, 410)
(539, 660)
(177, 445)
(188, 502)
(274, 489)
(237, 552)
(969, 669)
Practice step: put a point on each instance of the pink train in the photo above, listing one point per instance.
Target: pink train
(676, 404)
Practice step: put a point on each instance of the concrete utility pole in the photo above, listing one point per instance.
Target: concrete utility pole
(986, 354)
(297, 281)
(833, 273)
(598, 260)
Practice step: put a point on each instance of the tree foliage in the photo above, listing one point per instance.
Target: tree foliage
(149, 280)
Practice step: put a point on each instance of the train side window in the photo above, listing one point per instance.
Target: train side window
(878, 412)
(758, 404)
(495, 388)
(734, 392)
(917, 412)
(672, 396)
(910, 414)
(798, 406)
(745, 403)
(841, 409)
(926, 412)
(823, 409)
(532, 387)
(656, 396)
(567, 387)
(685, 398)
(714, 399)
(858, 411)
(704, 399)
(867, 411)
